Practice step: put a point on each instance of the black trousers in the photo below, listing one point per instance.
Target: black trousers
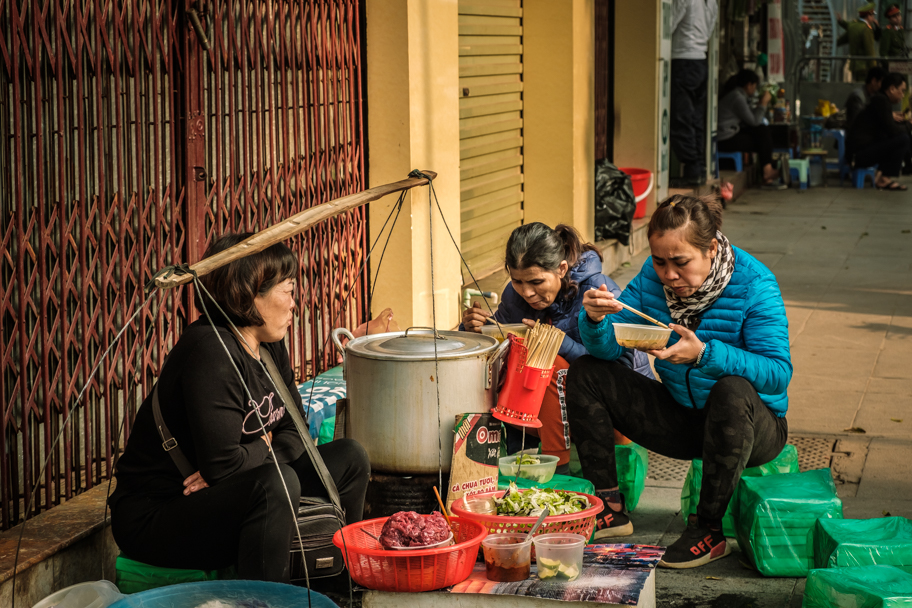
(688, 114)
(245, 520)
(734, 431)
(887, 153)
(757, 139)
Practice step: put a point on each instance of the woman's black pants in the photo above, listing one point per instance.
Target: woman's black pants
(245, 520)
(757, 139)
(733, 431)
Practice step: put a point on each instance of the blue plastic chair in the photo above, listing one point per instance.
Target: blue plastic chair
(783, 151)
(839, 136)
(858, 175)
(734, 156)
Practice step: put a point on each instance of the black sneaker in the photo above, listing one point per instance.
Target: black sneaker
(697, 546)
(610, 523)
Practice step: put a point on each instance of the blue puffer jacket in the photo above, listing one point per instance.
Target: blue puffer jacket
(745, 332)
(564, 314)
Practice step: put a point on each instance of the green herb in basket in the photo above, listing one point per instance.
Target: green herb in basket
(531, 503)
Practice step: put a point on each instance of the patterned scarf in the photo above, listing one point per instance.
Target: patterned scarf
(686, 311)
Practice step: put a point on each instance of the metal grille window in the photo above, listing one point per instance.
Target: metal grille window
(126, 146)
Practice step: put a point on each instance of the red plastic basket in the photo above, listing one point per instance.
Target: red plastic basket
(414, 570)
(576, 523)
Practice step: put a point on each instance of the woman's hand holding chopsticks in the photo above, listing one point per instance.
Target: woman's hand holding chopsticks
(473, 318)
(599, 303)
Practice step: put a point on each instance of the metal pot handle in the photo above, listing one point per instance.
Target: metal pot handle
(335, 338)
(436, 333)
(494, 365)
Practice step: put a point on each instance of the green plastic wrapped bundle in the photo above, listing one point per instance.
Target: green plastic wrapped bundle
(858, 587)
(785, 462)
(133, 576)
(863, 542)
(776, 518)
(558, 482)
(632, 466)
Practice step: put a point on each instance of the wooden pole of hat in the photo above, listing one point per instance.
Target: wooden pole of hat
(296, 224)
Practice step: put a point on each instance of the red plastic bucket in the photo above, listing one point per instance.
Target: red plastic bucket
(524, 389)
(641, 179)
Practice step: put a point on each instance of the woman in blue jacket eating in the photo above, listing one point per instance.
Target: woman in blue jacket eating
(550, 270)
(724, 372)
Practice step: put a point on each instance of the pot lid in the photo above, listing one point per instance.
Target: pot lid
(417, 344)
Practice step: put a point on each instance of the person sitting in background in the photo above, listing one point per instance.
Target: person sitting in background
(550, 270)
(741, 129)
(860, 97)
(878, 136)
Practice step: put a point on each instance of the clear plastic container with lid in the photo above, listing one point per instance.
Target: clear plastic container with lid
(559, 556)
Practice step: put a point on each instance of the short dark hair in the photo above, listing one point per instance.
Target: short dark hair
(875, 73)
(701, 215)
(893, 79)
(235, 285)
(536, 244)
(745, 77)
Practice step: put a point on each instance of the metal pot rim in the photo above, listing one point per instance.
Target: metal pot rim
(481, 346)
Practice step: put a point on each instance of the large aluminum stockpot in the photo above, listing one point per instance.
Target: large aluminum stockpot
(392, 387)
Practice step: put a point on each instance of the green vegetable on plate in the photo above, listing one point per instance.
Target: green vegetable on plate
(532, 502)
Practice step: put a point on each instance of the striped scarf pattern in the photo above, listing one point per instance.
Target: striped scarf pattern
(686, 311)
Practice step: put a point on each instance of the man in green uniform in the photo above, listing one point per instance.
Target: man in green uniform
(893, 38)
(860, 36)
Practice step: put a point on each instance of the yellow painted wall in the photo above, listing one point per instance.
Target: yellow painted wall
(559, 112)
(413, 123)
(636, 77)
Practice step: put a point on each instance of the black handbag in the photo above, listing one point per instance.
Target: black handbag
(318, 519)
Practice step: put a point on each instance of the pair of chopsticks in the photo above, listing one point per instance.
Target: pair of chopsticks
(645, 316)
(443, 509)
(637, 312)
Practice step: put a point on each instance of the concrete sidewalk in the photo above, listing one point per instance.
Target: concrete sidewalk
(843, 259)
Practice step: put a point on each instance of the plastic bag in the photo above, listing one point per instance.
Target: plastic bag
(94, 594)
(133, 576)
(632, 466)
(858, 587)
(776, 516)
(863, 542)
(785, 462)
(614, 203)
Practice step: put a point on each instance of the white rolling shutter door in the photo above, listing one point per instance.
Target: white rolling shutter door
(490, 129)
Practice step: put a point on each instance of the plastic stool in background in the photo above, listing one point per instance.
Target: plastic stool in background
(798, 168)
(733, 156)
(839, 136)
(858, 175)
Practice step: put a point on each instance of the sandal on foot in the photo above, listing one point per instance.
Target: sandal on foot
(891, 185)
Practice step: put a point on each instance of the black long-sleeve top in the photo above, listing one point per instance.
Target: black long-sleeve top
(207, 410)
(873, 124)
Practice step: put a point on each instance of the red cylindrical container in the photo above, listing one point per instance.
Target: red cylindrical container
(524, 389)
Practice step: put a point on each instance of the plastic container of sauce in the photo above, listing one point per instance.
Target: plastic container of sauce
(508, 557)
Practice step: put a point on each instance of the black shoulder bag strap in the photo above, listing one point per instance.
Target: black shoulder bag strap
(169, 443)
(291, 408)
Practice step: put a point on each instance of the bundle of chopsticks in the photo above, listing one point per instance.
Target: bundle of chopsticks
(542, 343)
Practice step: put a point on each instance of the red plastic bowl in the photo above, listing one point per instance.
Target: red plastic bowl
(374, 567)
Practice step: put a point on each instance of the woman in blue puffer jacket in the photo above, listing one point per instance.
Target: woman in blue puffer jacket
(550, 270)
(724, 372)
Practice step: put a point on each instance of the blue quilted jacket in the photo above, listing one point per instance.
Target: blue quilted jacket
(745, 332)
